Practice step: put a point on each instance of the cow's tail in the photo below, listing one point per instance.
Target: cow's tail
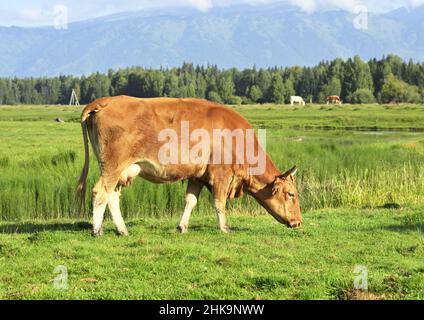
(82, 184)
(89, 111)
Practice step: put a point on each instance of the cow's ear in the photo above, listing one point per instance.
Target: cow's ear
(291, 172)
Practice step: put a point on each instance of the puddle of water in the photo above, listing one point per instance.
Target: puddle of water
(393, 132)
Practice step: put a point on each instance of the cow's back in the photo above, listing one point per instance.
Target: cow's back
(128, 129)
(148, 116)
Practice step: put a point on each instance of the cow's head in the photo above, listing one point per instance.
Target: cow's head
(281, 199)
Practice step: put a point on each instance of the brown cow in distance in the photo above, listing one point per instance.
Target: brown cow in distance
(333, 99)
(166, 140)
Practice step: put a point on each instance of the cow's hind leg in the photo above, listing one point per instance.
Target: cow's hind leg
(192, 195)
(116, 212)
(101, 193)
(100, 198)
(125, 179)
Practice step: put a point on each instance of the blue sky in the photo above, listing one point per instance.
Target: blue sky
(43, 12)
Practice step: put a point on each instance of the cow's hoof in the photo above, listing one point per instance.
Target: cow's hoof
(182, 229)
(226, 229)
(123, 233)
(97, 233)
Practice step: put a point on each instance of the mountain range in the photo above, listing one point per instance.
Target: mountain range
(236, 36)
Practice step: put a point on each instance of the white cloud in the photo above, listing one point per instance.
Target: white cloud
(349, 5)
(33, 14)
(38, 16)
(314, 5)
(202, 5)
(416, 3)
(306, 5)
(39, 12)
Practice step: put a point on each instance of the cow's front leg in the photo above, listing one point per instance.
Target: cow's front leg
(220, 211)
(220, 200)
(194, 188)
(116, 213)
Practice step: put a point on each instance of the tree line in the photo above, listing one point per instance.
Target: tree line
(388, 80)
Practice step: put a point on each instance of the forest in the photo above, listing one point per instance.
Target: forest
(388, 80)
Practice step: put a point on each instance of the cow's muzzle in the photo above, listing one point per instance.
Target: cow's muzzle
(295, 224)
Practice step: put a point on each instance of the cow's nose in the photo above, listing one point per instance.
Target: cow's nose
(295, 224)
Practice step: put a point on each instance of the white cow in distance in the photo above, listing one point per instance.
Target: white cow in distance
(297, 100)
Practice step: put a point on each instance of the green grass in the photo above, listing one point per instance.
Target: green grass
(407, 117)
(353, 160)
(261, 259)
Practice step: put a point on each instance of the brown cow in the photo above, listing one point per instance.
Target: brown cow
(334, 99)
(132, 137)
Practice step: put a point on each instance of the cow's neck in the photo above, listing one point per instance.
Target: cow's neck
(259, 182)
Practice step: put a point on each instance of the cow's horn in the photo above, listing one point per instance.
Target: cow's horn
(292, 171)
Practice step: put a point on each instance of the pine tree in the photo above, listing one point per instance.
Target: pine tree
(276, 91)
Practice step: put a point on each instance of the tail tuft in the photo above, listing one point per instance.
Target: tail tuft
(82, 184)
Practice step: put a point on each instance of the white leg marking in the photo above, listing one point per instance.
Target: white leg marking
(191, 202)
(220, 212)
(116, 213)
(192, 195)
(100, 198)
(98, 214)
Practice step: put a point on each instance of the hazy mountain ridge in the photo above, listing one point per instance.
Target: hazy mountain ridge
(238, 36)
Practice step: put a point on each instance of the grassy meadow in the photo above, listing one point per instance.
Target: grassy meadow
(260, 260)
(361, 182)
